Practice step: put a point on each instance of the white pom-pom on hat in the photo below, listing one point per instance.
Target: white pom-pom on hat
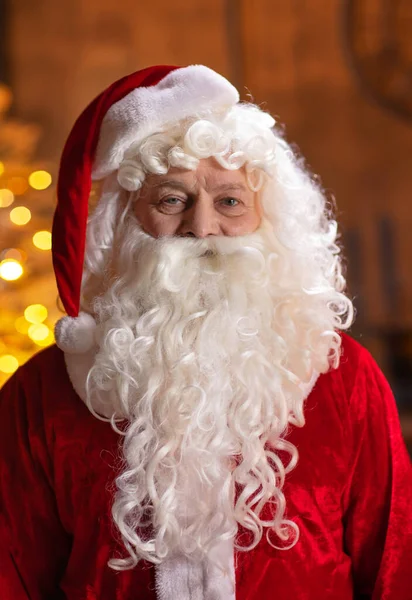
(75, 335)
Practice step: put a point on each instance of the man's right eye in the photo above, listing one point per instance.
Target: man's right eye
(171, 204)
(172, 200)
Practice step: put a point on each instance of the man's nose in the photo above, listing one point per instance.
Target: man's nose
(201, 219)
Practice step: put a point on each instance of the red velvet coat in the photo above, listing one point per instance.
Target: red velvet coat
(351, 495)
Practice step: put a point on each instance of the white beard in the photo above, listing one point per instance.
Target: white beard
(205, 347)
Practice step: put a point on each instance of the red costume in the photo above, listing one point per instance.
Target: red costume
(350, 494)
(353, 507)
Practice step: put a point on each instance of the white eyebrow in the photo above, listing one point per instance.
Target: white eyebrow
(174, 183)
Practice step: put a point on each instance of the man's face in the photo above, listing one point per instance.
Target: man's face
(209, 201)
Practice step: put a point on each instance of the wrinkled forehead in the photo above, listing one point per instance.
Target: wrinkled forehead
(208, 175)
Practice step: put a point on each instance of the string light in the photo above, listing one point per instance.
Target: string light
(18, 255)
(36, 313)
(21, 244)
(47, 340)
(18, 185)
(42, 240)
(6, 197)
(21, 325)
(38, 332)
(20, 215)
(40, 180)
(10, 269)
(8, 363)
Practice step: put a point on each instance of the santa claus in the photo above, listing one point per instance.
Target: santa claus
(203, 429)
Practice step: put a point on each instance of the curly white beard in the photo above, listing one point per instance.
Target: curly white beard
(206, 347)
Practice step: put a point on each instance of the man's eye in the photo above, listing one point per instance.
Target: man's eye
(171, 200)
(171, 205)
(230, 201)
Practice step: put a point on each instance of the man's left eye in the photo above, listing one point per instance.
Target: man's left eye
(172, 200)
(230, 201)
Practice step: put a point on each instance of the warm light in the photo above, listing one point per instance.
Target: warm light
(10, 269)
(40, 180)
(6, 197)
(42, 240)
(8, 363)
(15, 254)
(6, 98)
(47, 340)
(36, 313)
(38, 332)
(1, 168)
(22, 325)
(20, 215)
(18, 185)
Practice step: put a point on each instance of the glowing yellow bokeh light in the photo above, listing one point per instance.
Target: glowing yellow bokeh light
(1, 168)
(42, 240)
(20, 215)
(22, 325)
(8, 363)
(18, 185)
(47, 340)
(36, 313)
(40, 180)
(38, 332)
(6, 197)
(10, 269)
(15, 254)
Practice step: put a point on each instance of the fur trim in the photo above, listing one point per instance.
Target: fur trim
(75, 335)
(145, 110)
(212, 579)
(78, 367)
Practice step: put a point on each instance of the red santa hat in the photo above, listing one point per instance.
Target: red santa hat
(128, 111)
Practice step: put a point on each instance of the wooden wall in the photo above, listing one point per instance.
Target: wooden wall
(288, 55)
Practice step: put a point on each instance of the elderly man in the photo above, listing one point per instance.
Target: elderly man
(203, 428)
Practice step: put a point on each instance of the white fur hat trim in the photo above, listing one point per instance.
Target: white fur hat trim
(182, 93)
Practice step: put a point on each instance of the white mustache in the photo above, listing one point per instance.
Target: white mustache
(214, 245)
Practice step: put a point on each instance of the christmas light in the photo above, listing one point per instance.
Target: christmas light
(47, 340)
(36, 313)
(8, 363)
(10, 269)
(21, 325)
(20, 215)
(42, 240)
(18, 255)
(40, 180)
(21, 241)
(6, 197)
(18, 185)
(38, 332)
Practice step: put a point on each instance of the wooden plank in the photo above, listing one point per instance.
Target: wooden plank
(270, 74)
(4, 43)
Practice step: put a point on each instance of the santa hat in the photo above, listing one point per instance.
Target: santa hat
(128, 111)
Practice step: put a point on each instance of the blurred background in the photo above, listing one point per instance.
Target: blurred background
(336, 73)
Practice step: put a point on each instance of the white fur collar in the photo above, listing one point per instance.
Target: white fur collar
(213, 579)
(78, 367)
